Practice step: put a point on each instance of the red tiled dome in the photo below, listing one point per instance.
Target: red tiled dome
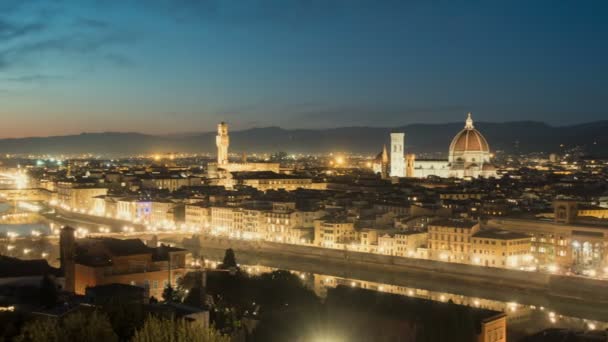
(469, 140)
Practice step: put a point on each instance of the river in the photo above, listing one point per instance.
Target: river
(523, 319)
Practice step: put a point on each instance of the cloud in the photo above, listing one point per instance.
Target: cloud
(77, 43)
(10, 31)
(119, 60)
(54, 30)
(91, 23)
(33, 78)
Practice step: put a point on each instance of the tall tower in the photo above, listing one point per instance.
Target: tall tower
(385, 163)
(67, 250)
(397, 156)
(222, 141)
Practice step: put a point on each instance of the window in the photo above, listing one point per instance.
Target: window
(155, 284)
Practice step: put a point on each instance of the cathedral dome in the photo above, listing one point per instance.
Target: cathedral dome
(469, 140)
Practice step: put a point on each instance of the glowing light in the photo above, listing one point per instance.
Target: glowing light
(553, 268)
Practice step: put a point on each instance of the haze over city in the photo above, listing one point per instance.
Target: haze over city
(72, 66)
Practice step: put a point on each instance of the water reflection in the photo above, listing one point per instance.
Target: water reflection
(522, 318)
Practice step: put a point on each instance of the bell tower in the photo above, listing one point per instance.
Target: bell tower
(397, 156)
(222, 141)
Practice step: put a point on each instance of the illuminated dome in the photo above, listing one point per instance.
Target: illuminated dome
(469, 145)
(469, 139)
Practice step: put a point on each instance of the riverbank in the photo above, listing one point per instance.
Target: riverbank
(571, 296)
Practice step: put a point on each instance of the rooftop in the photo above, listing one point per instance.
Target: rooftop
(500, 234)
(13, 267)
(457, 223)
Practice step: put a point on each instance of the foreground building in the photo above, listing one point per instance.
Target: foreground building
(101, 261)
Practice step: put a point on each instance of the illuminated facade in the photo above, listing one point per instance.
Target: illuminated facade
(223, 167)
(334, 233)
(397, 155)
(222, 141)
(78, 196)
(450, 240)
(468, 156)
(501, 248)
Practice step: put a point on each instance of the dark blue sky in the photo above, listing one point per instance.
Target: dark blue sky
(157, 66)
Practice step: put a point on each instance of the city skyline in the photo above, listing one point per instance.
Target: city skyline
(161, 67)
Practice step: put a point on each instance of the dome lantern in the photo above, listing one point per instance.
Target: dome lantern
(469, 122)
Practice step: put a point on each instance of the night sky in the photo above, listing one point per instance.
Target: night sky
(71, 66)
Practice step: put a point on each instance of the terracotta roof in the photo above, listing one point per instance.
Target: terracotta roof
(469, 140)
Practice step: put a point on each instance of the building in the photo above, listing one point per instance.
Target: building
(197, 215)
(222, 141)
(397, 155)
(409, 243)
(161, 213)
(468, 156)
(101, 261)
(171, 182)
(502, 248)
(79, 196)
(561, 246)
(223, 167)
(333, 233)
(450, 240)
(267, 180)
(381, 163)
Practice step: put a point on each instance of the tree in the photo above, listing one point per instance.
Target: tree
(168, 293)
(171, 294)
(78, 326)
(125, 317)
(48, 292)
(176, 330)
(195, 297)
(229, 260)
(39, 330)
(95, 326)
(192, 284)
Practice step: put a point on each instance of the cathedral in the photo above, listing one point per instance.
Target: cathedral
(469, 156)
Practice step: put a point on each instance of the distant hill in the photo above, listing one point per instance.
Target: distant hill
(525, 136)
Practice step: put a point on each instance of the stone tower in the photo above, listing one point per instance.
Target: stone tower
(385, 163)
(397, 156)
(222, 141)
(67, 250)
(565, 211)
